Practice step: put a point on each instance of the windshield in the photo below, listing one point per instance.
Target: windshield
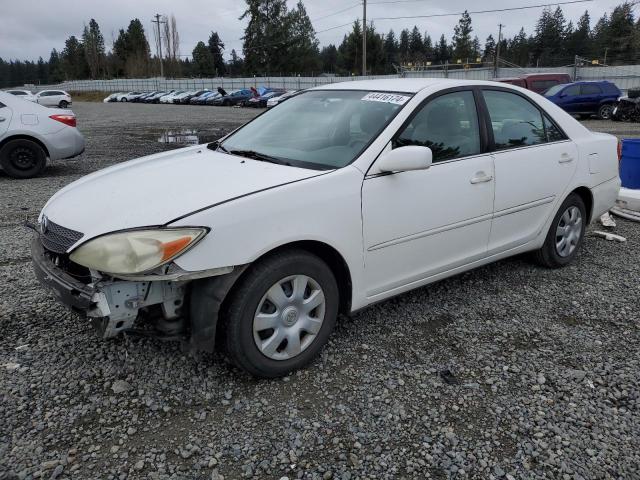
(322, 129)
(553, 90)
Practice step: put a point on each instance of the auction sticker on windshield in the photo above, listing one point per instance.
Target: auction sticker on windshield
(386, 98)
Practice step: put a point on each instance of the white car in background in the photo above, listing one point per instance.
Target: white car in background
(170, 97)
(178, 98)
(23, 94)
(272, 102)
(53, 98)
(343, 196)
(128, 96)
(112, 98)
(31, 133)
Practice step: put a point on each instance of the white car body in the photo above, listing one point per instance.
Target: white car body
(180, 96)
(23, 94)
(171, 96)
(113, 97)
(53, 98)
(19, 119)
(128, 96)
(272, 102)
(394, 232)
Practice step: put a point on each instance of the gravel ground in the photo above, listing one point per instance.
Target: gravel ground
(509, 371)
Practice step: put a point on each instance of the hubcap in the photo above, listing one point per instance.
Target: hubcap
(569, 231)
(289, 317)
(23, 158)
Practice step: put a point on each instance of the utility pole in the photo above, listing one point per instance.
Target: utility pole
(364, 37)
(575, 68)
(497, 59)
(157, 21)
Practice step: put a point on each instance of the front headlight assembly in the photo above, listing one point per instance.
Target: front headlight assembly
(136, 251)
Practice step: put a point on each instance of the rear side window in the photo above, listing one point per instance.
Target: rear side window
(448, 125)
(591, 89)
(514, 120)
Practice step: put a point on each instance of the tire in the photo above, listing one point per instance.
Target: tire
(605, 111)
(63, 104)
(555, 254)
(284, 274)
(22, 158)
(123, 99)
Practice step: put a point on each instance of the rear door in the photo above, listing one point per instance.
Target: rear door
(534, 163)
(590, 95)
(5, 118)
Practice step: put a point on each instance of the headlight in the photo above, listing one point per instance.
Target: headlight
(136, 251)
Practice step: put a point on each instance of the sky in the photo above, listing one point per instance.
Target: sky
(28, 33)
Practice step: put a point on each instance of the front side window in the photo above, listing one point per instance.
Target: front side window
(572, 91)
(322, 129)
(514, 120)
(448, 125)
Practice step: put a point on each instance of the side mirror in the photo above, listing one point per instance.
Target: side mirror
(404, 159)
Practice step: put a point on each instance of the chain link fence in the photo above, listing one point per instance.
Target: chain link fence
(624, 77)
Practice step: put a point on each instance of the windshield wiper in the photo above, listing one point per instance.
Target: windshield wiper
(217, 145)
(263, 157)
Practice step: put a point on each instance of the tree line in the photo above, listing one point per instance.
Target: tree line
(282, 41)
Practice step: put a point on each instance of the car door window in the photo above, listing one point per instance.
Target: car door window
(448, 125)
(591, 90)
(572, 91)
(516, 122)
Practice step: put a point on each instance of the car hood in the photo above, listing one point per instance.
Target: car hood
(157, 189)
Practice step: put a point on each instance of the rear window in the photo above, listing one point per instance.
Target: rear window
(17, 92)
(543, 84)
(591, 89)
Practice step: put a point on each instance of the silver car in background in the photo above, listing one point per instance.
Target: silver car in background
(31, 133)
(53, 98)
(23, 94)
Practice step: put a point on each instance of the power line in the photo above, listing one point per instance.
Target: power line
(336, 13)
(495, 10)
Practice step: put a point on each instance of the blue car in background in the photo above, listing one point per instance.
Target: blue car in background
(234, 98)
(585, 98)
(202, 99)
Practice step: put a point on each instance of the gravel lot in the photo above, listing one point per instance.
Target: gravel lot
(509, 371)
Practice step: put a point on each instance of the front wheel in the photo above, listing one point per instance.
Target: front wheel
(605, 112)
(63, 104)
(22, 158)
(124, 100)
(281, 314)
(565, 235)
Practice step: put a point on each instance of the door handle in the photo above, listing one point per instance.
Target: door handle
(481, 177)
(565, 158)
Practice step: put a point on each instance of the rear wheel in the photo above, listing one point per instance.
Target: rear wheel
(605, 111)
(565, 235)
(63, 104)
(22, 158)
(281, 314)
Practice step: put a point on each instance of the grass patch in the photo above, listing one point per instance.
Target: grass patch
(88, 96)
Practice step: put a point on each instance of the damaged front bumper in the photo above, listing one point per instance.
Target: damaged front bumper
(112, 305)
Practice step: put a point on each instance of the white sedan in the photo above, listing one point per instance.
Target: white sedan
(30, 134)
(343, 196)
(23, 94)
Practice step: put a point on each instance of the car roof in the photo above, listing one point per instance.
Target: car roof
(405, 85)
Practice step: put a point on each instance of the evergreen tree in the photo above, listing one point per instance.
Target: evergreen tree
(329, 58)
(55, 68)
(266, 36)
(489, 53)
(427, 47)
(415, 45)
(349, 53)
(403, 46)
(442, 52)
(203, 61)
(462, 42)
(216, 48)
(623, 34)
(74, 63)
(236, 64)
(391, 50)
(137, 50)
(303, 51)
(94, 51)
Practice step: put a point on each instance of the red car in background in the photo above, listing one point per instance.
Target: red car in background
(537, 82)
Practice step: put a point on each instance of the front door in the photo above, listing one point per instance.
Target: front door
(534, 163)
(420, 223)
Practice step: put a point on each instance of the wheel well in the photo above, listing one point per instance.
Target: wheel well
(25, 137)
(587, 197)
(333, 259)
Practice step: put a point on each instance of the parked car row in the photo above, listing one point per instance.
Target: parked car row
(48, 98)
(259, 97)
